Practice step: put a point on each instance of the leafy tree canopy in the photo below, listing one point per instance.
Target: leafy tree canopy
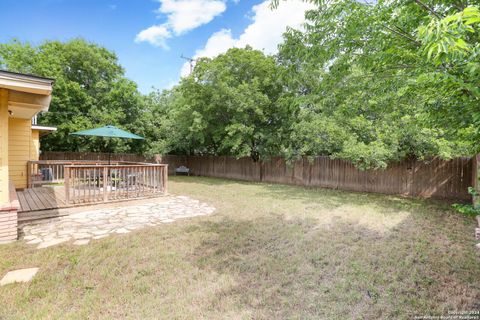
(384, 81)
(367, 82)
(232, 105)
(90, 90)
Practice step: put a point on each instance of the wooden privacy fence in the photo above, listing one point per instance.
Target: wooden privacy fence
(102, 183)
(442, 179)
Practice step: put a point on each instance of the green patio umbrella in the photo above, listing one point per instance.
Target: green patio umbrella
(108, 132)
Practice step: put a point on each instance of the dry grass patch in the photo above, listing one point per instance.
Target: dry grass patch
(269, 251)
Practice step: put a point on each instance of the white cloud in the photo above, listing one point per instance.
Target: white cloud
(182, 16)
(264, 33)
(156, 35)
(185, 15)
(268, 25)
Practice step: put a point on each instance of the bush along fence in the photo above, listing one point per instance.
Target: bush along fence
(440, 179)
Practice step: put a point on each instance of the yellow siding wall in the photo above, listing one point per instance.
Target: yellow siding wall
(19, 146)
(35, 145)
(4, 193)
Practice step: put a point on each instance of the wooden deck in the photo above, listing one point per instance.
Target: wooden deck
(86, 185)
(42, 198)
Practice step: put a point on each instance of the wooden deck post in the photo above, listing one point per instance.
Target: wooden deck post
(67, 184)
(105, 184)
(165, 179)
(29, 174)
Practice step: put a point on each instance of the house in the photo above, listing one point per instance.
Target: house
(22, 97)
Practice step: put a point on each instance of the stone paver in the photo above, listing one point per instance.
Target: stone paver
(21, 275)
(48, 241)
(81, 242)
(83, 226)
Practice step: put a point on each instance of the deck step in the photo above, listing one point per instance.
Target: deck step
(41, 198)
(29, 216)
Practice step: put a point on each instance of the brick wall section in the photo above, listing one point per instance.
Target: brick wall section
(9, 218)
(8, 225)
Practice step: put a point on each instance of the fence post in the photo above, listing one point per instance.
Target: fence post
(262, 169)
(410, 177)
(67, 184)
(476, 180)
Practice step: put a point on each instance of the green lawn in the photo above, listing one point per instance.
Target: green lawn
(269, 252)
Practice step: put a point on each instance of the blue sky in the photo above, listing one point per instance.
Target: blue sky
(149, 36)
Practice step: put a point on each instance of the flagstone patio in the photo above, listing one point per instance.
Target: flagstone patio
(84, 226)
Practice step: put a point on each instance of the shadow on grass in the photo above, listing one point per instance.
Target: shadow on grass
(332, 198)
(291, 269)
(289, 266)
(205, 180)
(325, 197)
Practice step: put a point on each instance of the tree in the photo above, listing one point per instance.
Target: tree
(231, 105)
(90, 90)
(159, 125)
(451, 44)
(371, 83)
(366, 91)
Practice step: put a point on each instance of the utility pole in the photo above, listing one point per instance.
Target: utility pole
(190, 61)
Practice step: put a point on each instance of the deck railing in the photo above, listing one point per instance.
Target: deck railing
(102, 183)
(52, 171)
(98, 181)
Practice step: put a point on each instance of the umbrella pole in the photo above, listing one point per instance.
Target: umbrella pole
(109, 152)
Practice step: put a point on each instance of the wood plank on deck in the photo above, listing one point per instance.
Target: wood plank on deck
(23, 201)
(41, 198)
(31, 202)
(49, 197)
(38, 198)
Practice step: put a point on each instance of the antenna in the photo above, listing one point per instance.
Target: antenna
(190, 61)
